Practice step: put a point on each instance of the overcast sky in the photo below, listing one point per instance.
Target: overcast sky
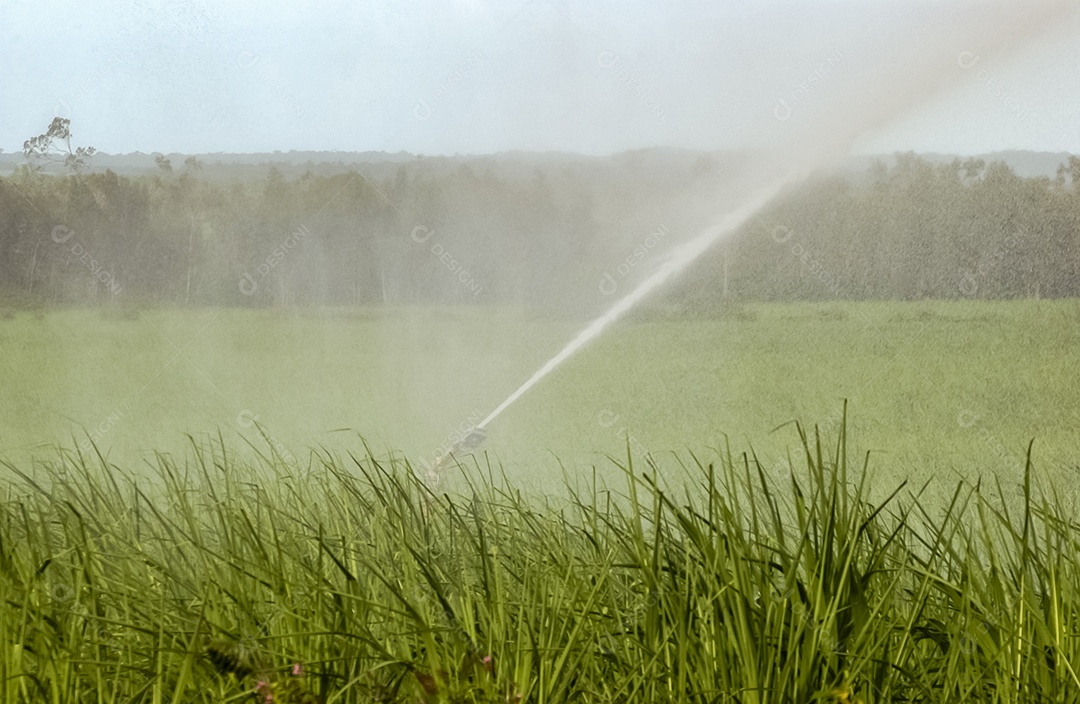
(480, 76)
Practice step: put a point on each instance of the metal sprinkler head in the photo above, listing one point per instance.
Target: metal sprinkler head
(472, 439)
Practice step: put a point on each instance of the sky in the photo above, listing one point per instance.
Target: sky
(483, 76)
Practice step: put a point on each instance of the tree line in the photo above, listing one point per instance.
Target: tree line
(918, 230)
(539, 233)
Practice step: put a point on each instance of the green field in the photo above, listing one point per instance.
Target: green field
(933, 386)
(299, 568)
(352, 582)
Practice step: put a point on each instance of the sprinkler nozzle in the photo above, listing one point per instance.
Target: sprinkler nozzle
(473, 438)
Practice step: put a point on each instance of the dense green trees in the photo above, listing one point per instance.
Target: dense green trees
(917, 230)
(547, 232)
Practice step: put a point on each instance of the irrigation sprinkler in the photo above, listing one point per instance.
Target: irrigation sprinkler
(472, 439)
(680, 258)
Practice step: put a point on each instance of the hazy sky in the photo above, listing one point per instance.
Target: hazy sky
(479, 76)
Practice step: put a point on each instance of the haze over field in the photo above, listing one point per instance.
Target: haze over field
(600, 141)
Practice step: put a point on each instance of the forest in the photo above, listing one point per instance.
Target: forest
(523, 229)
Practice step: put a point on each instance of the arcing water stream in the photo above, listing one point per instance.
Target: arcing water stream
(679, 260)
(932, 72)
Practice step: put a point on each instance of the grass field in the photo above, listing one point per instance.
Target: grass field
(301, 569)
(353, 583)
(933, 386)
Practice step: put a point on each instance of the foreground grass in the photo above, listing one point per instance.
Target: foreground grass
(353, 581)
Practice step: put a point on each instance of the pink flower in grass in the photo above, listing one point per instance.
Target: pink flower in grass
(297, 671)
(263, 687)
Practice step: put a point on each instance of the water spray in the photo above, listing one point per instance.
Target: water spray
(679, 260)
(848, 126)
